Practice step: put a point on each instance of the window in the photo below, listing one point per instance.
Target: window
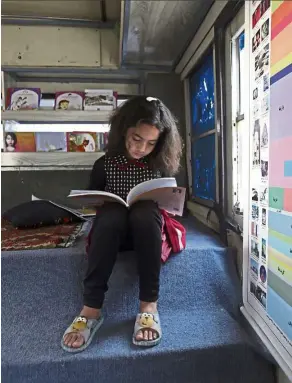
(203, 133)
(238, 119)
(235, 124)
(239, 53)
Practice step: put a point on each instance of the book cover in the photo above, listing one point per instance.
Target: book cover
(51, 142)
(81, 142)
(69, 100)
(115, 99)
(23, 98)
(98, 142)
(101, 141)
(19, 142)
(105, 137)
(99, 99)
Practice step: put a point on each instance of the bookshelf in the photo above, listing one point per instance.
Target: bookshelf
(23, 161)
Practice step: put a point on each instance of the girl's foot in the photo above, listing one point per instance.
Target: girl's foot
(75, 339)
(147, 307)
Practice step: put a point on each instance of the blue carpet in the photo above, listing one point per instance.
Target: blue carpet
(203, 341)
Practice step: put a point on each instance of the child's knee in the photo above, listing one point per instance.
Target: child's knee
(143, 213)
(143, 207)
(113, 218)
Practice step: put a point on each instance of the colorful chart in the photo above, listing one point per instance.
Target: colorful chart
(280, 182)
(279, 289)
(270, 251)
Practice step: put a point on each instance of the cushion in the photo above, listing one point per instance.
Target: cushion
(38, 213)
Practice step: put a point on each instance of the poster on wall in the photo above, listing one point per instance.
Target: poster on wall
(270, 205)
(260, 80)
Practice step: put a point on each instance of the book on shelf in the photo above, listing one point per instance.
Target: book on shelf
(101, 140)
(19, 142)
(23, 98)
(81, 142)
(51, 142)
(69, 100)
(163, 191)
(100, 99)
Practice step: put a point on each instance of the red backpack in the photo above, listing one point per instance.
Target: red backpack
(173, 236)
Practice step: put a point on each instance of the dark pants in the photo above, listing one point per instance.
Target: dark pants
(113, 227)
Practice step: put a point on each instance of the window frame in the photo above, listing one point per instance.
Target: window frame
(234, 117)
(237, 121)
(210, 49)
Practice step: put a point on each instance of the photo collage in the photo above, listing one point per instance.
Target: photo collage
(260, 80)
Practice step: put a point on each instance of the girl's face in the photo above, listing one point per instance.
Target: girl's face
(9, 140)
(141, 141)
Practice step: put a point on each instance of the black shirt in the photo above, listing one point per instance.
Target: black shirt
(118, 175)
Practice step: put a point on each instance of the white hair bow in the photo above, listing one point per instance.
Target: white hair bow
(151, 99)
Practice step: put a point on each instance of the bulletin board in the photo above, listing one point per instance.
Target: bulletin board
(269, 275)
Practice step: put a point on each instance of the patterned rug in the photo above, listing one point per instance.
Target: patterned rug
(48, 237)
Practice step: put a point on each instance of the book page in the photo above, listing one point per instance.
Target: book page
(146, 186)
(89, 198)
(87, 211)
(170, 199)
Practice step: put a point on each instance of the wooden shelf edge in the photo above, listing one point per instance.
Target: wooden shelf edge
(48, 161)
(43, 168)
(56, 115)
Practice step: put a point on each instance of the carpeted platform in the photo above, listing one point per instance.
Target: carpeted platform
(203, 338)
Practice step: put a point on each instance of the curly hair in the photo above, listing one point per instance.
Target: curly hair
(166, 155)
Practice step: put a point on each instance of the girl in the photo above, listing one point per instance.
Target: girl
(143, 144)
(10, 142)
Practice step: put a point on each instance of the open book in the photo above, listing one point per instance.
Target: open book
(81, 213)
(164, 191)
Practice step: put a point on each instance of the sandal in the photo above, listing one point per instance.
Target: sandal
(86, 327)
(147, 321)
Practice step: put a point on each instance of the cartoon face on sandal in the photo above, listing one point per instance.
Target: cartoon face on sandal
(80, 323)
(146, 320)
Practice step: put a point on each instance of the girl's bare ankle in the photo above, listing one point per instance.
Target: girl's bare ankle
(90, 312)
(150, 307)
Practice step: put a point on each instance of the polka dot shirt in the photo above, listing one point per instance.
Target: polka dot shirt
(118, 175)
